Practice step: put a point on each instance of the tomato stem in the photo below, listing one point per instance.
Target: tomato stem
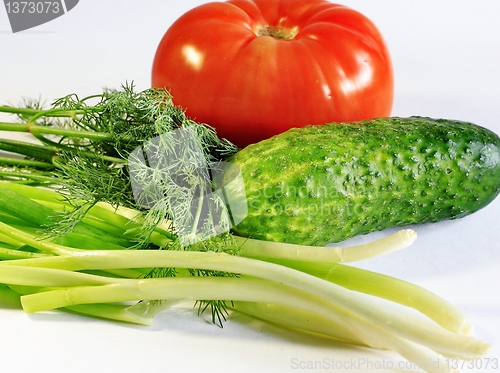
(277, 32)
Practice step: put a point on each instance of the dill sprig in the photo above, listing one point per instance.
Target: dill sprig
(90, 145)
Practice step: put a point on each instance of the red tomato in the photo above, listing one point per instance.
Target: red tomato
(255, 68)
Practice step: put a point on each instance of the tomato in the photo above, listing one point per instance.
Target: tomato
(255, 68)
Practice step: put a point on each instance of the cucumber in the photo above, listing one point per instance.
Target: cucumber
(321, 184)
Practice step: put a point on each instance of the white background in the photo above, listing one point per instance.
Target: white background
(446, 58)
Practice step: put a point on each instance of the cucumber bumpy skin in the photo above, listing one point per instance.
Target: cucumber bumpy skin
(321, 184)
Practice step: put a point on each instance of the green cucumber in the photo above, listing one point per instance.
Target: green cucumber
(322, 184)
